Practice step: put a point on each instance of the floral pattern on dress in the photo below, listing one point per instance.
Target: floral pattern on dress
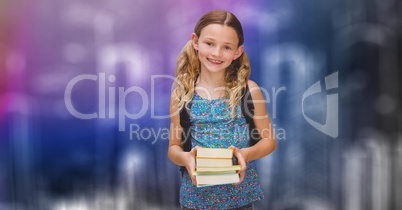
(212, 126)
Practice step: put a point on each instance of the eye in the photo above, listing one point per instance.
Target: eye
(209, 43)
(228, 48)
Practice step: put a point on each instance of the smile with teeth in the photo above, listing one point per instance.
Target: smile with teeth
(215, 61)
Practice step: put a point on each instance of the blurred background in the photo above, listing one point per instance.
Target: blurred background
(85, 87)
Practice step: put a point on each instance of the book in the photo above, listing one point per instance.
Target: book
(214, 162)
(210, 169)
(214, 166)
(217, 179)
(214, 157)
(214, 153)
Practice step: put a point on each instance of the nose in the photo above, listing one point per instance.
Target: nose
(217, 52)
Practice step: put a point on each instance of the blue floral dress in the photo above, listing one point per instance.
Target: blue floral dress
(212, 126)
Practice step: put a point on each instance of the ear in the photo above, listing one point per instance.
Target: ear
(194, 39)
(238, 52)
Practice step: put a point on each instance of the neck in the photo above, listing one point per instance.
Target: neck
(212, 80)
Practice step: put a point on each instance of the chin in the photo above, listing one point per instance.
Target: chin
(216, 69)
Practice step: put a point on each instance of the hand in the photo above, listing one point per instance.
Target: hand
(241, 160)
(190, 166)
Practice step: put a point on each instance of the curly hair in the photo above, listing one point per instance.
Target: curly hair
(188, 64)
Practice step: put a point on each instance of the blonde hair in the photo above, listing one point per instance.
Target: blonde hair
(188, 64)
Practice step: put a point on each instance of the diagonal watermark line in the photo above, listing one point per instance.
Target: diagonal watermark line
(330, 127)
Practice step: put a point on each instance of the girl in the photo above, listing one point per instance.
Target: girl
(212, 74)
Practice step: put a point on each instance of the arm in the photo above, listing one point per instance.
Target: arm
(267, 144)
(175, 150)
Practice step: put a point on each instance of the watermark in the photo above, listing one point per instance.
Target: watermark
(107, 99)
(111, 104)
(330, 127)
(153, 135)
(110, 93)
(149, 134)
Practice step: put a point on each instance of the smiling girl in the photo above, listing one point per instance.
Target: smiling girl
(212, 76)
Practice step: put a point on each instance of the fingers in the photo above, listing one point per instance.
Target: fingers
(193, 151)
(241, 161)
(191, 170)
(233, 148)
(240, 158)
(241, 178)
(191, 165)
(242, 173)
(193, 179)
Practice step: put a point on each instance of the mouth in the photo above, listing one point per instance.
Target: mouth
(214, 61)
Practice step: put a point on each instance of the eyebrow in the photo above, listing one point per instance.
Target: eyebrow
(210, 38)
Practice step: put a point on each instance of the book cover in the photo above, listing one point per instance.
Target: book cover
(217, 179)
(214, 153)
(223, 162)
(210, 169)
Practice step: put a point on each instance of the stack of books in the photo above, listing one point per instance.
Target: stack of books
(214, 166)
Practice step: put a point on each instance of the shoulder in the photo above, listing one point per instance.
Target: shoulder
(260, 110)
(174, 98)
(254, 89)
(252, 85)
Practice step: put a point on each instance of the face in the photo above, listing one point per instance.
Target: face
(217, 47)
